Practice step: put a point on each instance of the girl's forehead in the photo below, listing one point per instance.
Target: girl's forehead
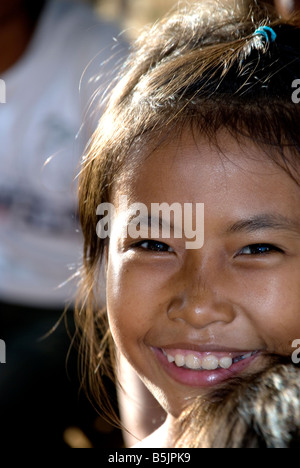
(190, 168)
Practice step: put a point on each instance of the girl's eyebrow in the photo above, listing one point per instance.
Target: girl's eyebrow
(274, 221)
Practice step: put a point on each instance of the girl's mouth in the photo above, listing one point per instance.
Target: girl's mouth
(203, 369)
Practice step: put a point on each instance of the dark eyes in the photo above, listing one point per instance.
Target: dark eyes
(153, 246)
(255, 249)
(259, 249)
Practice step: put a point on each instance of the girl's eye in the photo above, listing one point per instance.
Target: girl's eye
(259, 249)
(154, 246)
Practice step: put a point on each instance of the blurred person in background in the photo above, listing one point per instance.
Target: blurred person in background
(47, 49)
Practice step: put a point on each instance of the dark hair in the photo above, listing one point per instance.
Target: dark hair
(259, 412)
(201, 67)
(34, 9)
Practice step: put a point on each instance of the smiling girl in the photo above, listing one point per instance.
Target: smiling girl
(202, 114)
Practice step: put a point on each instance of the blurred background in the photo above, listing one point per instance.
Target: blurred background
(134, 14)
(47, 49)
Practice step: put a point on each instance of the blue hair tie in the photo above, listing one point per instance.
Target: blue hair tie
(263, 31)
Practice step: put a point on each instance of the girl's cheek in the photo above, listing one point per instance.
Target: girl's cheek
(280, 326)
(272, 302)
(126, 288)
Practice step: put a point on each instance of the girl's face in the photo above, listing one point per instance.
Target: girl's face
(189, 319)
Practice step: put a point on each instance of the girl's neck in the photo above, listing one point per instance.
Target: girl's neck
(16, 30)
(163, 437)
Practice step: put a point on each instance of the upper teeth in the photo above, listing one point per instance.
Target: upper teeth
(209, 362)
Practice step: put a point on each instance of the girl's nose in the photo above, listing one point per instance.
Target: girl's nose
(200, 312)
(200, 305)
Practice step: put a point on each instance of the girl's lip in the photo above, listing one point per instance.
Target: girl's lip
(203, 378)
(213, 349)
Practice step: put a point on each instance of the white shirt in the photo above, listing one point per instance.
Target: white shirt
(40, 243)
